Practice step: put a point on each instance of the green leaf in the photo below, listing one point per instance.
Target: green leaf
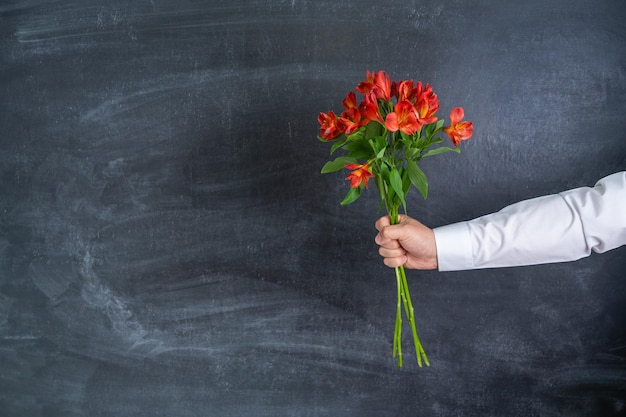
(414, 154)
(373, 129)
(338, 138)
(383, 174)
(406, 182)
(418, 178)
(429, 129)
(396, 184)
(379, 145)
(352, 196)
(380, 186)
(440, 150)
(406, 138)
(338, 144)
(433, 128)
(337, 164)
(359, 149)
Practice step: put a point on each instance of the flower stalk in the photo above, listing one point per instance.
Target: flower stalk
(404, 299)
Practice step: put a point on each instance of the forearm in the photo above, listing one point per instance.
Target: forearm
(556, 228)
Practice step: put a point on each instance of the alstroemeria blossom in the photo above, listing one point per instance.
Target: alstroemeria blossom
(350, 101)
(458, 130)
(378, 83)
(403, 118)
(360, 175)
(369, 109)
(405, 90)
(328, 125)
(382, 86)
(427, 105)
(349, 121)
(365, 87)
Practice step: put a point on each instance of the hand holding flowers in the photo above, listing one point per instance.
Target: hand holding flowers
(384, 136)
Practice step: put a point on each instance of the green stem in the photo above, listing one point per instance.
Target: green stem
(404, 298)
(419, 350)
(397, 336)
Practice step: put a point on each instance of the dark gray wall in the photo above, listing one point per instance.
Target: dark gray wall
(169, 248)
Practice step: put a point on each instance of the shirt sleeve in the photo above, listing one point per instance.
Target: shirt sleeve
(555, 228)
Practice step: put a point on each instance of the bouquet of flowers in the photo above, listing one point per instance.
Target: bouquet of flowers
(383, 138)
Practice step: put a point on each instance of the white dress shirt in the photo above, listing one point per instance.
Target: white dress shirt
(555, 228)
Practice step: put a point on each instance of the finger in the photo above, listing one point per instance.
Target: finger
(398, 232)
(395, 262)
(382, 223)
(391, 244)
(391, 253)
(388, 243)
(392, 232)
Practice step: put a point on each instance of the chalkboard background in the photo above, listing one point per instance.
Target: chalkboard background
(168, 246)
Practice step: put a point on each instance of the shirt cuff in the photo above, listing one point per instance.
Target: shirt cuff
(454, 247)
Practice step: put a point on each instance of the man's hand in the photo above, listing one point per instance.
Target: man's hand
(407, 243)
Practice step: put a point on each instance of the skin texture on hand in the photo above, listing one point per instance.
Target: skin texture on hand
(407, 243)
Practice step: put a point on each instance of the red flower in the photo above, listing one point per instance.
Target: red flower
(369, 109)
(427, 104)
(405, 90)
(360, 175)
(458, 130)
(350, 101)
(403, 118)
(382, 86)
(365, 87)
(328, 125)
(349, 121)
(378, 83)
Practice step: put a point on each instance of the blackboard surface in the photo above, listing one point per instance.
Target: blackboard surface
(169, 248)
